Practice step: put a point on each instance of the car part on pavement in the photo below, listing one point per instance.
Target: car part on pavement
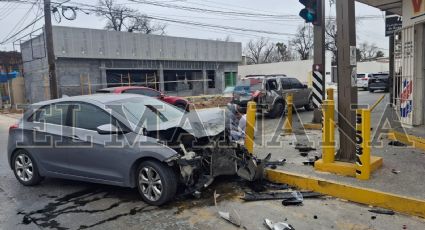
(297, 199)
(277, 226)
(255, 196)
(382, 211)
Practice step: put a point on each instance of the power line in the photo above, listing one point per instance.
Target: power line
(23, 29)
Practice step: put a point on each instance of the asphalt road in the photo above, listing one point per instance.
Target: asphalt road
(64, 204)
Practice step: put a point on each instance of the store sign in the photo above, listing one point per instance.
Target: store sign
(413, 11)
(393, 23)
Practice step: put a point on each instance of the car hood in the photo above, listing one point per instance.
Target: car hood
(199, 123)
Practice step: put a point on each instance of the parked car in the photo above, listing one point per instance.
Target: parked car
(363, 80)
(176, 101)
(270, 94)
(125, 140)
(379, 81)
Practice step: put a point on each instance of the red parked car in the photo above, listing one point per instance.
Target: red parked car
(176, 101)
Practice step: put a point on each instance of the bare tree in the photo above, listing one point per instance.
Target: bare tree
(303, 42)
(260, 51)
(284, 54)
(330, 38)
(369, 51)
(122, 18)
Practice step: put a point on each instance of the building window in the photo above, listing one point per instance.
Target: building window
(211, 79)
(230, 79)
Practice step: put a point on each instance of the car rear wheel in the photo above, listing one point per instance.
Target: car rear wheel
(156, 182)
(277, 111)
(25, 168)
(310, 105)
(371, 90)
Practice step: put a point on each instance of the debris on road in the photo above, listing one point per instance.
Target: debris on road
(275, 163)
(303, 154)
(382, 211)
(395, 171)
(232, 217)
(297, 199)
(277, 226)
(304, 148)
(310, 161)
(397, 143)
(263, 185)
(255, 196)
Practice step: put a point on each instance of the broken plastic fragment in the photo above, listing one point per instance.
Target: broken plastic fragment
(297, 199)
(231, 217)
(277, 226)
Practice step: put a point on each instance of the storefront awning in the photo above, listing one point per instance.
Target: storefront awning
(4, 77)
(393, 6)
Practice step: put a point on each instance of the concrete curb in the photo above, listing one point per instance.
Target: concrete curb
(398, 203)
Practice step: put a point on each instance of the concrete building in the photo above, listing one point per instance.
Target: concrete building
(89, 59)
(409, 58)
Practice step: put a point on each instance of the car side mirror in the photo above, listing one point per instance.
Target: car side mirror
(108, 129)
(162, 95)
(305, 86)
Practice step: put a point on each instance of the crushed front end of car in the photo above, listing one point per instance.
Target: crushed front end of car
(206, 149)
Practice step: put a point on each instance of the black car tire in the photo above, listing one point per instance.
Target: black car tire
(277, 111)
(371, 90)
(168, 181)
(310, 105)
(35, 178)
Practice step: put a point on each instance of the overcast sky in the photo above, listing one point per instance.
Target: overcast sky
(14, 16)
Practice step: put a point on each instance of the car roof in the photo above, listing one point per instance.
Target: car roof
(100, 98)
(121, 88)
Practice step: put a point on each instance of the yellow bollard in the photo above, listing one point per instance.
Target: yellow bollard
(251, 111)
(363, 166)
(287, 125)
(330, 94)
(328, 131)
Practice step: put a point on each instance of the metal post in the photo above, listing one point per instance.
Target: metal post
(250, 125)
(328, 131)
(347, 79)
(287, 125)
(319, 73)
(391, 77)
(363, 167)
(330, 94)
(50, 50)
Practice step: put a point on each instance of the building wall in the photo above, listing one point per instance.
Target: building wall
(101, 44)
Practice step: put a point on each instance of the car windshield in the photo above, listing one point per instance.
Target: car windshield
(146, 110)
(383, 75)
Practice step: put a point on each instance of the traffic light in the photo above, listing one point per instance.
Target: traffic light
(311, 11)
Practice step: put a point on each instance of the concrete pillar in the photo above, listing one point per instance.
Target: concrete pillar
(103, 79)
(204, 79)
(161, 77)
(418, 76)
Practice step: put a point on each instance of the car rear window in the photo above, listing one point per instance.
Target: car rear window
(361, 75)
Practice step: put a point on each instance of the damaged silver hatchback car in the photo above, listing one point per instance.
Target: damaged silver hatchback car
(127, 140)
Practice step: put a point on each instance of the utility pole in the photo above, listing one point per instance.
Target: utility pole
(50, 50)
(347, 79)
(319, 72)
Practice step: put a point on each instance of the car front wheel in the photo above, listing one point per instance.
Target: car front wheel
(310, 105)
(25, 168)
(157, 183)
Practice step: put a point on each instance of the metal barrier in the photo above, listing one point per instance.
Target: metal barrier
(250, 126)
(287, 125)
(363, 136)
(328, 131)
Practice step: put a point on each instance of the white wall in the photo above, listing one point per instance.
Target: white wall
(302, 69)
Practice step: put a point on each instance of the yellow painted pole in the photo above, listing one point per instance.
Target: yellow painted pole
(330, 94)
(328, 131)
(251, 111)
(363, 144)
(287, 125)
